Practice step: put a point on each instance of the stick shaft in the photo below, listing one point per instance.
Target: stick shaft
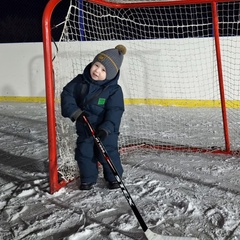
(117, 176)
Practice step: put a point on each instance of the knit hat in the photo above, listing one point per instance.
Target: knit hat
(111, 59)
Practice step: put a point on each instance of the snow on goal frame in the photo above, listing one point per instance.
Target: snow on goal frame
(180, 76)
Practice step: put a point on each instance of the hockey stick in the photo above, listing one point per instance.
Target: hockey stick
(148, 233)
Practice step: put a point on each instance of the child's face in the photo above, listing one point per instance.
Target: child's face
(98, 72)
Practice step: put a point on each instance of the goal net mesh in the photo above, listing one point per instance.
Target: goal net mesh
(169, 76)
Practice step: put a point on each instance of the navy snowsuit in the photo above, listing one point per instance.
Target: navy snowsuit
(103, 102)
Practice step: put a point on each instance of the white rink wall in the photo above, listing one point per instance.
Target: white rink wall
(22, 70)
(22, 66)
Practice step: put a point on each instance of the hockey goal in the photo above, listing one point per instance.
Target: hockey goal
(180, 76)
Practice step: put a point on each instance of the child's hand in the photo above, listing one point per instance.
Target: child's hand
(83, 114)
(78, 115)
(102, 134)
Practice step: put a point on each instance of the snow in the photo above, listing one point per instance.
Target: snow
(177, 194)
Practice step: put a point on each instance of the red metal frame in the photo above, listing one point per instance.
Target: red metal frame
(55, 185)
(50, 99)
(154, 4)
(176, 148)
(220, 76)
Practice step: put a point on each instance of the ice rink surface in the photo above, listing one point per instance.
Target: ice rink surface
(177, 194)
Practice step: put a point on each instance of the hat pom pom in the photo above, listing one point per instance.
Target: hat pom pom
(122, 49)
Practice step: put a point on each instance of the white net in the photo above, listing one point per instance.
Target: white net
(169, 75)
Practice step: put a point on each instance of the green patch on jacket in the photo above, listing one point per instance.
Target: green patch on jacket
(101, 101)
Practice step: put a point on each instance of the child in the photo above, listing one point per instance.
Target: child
(96, 95)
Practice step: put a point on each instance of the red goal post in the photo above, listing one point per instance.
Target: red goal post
(182, 62)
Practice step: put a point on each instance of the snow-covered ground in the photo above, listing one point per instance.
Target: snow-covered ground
(177, 194)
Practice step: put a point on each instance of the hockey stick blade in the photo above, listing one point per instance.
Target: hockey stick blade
(148, 233)
(154, 236)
